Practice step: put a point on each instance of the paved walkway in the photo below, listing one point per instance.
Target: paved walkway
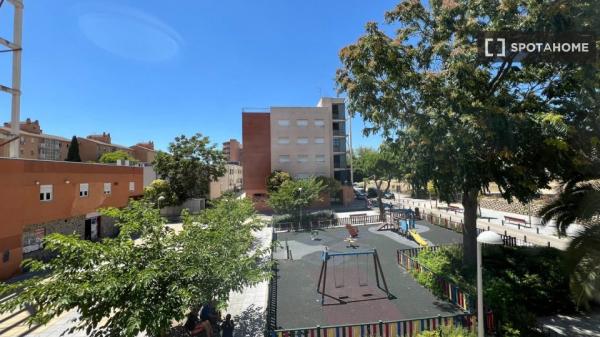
(493, 220)
(585, 325)
(248, 307)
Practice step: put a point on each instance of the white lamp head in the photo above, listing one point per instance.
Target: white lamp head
(161, 198)
(490, 238)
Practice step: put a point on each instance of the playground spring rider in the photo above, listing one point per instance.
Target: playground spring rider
(379, 276)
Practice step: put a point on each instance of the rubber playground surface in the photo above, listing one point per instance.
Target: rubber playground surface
(352, 279)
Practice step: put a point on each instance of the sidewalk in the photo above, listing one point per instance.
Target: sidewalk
(248, 307)
(493, 220)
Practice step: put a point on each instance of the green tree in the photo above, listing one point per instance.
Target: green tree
(148, 276)
(160, 188)
(295, 195)
(330, 185)
(191, 164)
(73, 154)
(275, 179)
(381, 166)
(112, 157)
(579, 201)
(465, 121)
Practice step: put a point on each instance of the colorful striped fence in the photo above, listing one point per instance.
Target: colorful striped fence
(451, 292)
(404, 328)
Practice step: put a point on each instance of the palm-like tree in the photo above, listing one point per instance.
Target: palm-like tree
(579, 202)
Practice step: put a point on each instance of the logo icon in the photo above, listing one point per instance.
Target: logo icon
(501, 42)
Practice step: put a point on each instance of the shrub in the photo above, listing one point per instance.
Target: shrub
(448, 331)
(519, 283)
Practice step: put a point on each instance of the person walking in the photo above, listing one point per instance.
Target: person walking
(227, 326)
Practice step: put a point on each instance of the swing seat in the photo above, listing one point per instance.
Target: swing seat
(353, 231)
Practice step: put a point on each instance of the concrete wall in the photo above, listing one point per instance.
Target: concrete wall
(20, 203)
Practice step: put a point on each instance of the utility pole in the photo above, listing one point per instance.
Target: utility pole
(15, 89)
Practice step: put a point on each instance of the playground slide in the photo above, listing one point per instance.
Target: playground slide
(418, 238)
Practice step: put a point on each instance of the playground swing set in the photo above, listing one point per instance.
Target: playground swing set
(339, 273)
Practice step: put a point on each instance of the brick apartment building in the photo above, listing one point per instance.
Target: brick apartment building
(231, 181)
(304, 141)
(144, 152)
(232, 149)
(93, 147)
(43, 197)
(34, 144)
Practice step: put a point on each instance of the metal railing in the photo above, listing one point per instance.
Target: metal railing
(403, 328)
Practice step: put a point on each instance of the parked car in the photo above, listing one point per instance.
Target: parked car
(372, 192)
(360, 195)
(389, 195)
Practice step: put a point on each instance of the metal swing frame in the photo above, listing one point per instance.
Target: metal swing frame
(379, 276)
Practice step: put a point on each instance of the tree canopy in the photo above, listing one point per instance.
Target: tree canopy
(191, 164)
(160, 188)
(112, 157)
(461, 121)
(295, 195)
(73, 153)
(275, 179)
(149, 275)
(381, 166)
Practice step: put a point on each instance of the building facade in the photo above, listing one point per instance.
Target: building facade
(93, 147)
(303, 141)
(33, 143)
(144, 152)
(232, 149)
(43, 197)
(231, 181)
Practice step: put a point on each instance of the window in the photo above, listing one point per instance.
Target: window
(302, 123)
(107, 188)
(283, 140)
(284, 158)
(302, 158)
(320, 158)
(319, 123)
(45, 192)
(302, 141)
(283, 122)
(131, 186)
(84, 190)
(319, 140)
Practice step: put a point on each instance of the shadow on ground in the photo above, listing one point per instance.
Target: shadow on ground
(250, 323)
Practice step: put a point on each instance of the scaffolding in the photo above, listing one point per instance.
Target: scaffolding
(14, 90)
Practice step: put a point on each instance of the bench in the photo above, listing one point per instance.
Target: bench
(353, 231)
(516, 221)
(455, 209)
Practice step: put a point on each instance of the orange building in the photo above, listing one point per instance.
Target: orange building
(144, 152)
(34, 144)
(93, 147)
(232, 149)
(42, 197)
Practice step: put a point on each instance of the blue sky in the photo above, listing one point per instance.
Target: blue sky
(151, 70)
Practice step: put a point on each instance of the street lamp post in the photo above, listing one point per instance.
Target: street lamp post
(161, 198)
(299, 193)
(490, 238)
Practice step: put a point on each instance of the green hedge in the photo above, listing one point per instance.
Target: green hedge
(519, 283)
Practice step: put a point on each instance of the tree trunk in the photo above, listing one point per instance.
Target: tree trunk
(469, 202)
(379, 201)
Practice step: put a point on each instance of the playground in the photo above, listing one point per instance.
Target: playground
(358, 279)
